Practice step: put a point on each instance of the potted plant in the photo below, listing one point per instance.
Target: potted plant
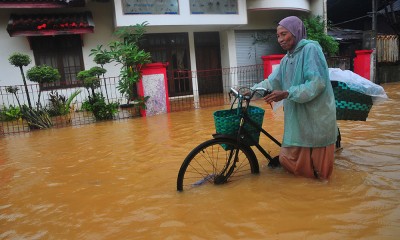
(60, 107)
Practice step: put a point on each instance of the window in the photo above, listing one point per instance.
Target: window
(174, 49)
(63, 52)
(150, 6)
(214, 7)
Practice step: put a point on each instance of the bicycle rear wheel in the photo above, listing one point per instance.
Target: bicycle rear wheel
(214, 162)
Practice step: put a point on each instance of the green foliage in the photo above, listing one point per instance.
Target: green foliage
(315, 31)
(97, 71)
(141, 102)
(59, 105)
(43, 74)
(101, 110)
(12, 89)
(56, 103)
(125, 51)
(128, 54)
(83, 74)
(19, 59)
(101, 56)
(36, 118)
(132, 34)
(10, 113)
(70, 99)
(89, 80)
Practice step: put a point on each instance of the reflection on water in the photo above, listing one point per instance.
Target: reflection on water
(117, 180)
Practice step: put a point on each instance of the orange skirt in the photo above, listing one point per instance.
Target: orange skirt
(308, 162)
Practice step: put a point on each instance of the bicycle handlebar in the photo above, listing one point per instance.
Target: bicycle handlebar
(236, 93)
(247, 96)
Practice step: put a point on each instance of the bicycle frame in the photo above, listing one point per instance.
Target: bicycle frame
(226, 155)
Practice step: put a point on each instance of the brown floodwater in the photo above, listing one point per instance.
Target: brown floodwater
(117, 180)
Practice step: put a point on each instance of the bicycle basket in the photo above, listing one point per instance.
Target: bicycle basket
(227, 122)
(350, 105)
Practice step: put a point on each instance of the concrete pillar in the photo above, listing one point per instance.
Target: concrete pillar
(270, 62)
(154, 84)
(362, 63)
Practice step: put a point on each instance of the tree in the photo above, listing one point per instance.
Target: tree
(127, 52)
(101, 57)
(316, 31)
(43, 74)
(20, 60)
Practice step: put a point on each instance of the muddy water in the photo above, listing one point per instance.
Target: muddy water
(117, 180)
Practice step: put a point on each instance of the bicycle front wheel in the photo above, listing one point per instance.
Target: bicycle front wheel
(215, 162)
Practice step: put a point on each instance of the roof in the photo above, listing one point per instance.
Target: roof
(50, 24)
(41, 3)
(341, 34)
(395, 5)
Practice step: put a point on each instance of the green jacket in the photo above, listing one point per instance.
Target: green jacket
(309, 110)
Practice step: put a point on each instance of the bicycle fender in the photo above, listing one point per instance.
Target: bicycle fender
(219, 135)
(232, 137)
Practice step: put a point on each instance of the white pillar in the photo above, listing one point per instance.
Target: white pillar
(193, 67)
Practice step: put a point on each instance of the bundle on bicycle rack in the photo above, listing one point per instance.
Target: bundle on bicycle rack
(228, 121)
(350, 104)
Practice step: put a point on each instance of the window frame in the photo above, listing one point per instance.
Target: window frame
(59, 52)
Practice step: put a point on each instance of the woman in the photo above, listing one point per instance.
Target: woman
(302, 82)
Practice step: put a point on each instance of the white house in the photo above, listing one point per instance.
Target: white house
(189, 34)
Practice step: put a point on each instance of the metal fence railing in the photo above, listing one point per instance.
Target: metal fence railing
(204, 95)
(210, 88)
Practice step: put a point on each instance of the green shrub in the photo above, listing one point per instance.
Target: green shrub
(10, 113)
(60, 104)
(100, 109)
(316, 31)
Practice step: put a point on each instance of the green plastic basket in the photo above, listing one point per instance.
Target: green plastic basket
(227, 122)
(350, 105)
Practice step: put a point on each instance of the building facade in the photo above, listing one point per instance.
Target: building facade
(190, 35)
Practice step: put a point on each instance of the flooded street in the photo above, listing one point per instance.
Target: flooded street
(117, 180)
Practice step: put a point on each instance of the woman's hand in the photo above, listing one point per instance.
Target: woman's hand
(276, 96)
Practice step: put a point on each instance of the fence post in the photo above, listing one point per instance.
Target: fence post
(154, 84)
(270, 62)
(362, 63)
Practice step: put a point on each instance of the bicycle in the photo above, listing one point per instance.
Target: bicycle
(228, 156)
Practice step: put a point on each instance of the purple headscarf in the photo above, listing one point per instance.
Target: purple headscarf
(295, 26)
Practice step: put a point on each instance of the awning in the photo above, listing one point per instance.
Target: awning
(41, 3)
(50, 24)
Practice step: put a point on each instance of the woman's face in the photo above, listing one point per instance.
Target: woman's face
(285, 38)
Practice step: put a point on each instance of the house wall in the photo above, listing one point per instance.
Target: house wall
(103, 33)
(107, 17)
(183, 18)
(387, 74)
(11, 75)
